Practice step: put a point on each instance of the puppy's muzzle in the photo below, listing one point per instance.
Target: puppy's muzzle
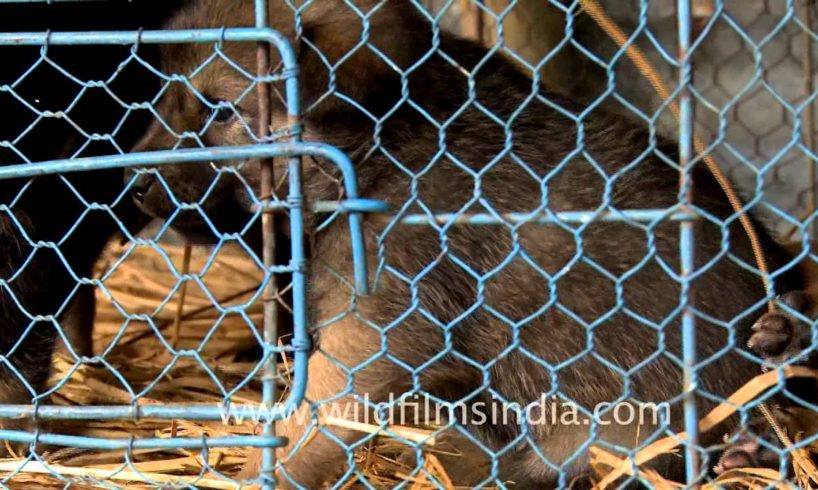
(141, 185)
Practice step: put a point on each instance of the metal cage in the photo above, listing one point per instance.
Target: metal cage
(739, 89)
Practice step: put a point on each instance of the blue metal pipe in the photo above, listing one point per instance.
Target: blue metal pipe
(147, 443)
(48, 1)
(638, 215)
(130, 412)
(358, 205)
(191, 155)
(236, 34)
(686, 247)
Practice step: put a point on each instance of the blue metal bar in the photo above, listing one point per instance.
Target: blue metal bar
(686, 247)
(301, 338)
(147, 443)
(131, 412)
(47, 1)
(168, 157)
(237, 34)
(298, 258)
(360, 205)
(638, 215)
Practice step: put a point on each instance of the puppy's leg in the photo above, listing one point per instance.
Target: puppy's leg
(346, 365)
(14, 393)
(778, 337)
(78, 321)
(755, 446)
(23, 374)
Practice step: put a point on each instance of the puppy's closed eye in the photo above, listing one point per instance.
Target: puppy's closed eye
(223, 112)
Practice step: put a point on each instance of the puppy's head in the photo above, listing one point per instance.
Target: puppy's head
(346, 70)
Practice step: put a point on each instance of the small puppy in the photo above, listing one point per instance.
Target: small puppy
(469, 315)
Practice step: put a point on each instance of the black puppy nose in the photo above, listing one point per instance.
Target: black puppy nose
(141, 185)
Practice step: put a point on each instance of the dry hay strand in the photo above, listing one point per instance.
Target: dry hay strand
(142, 285)
(611, 467)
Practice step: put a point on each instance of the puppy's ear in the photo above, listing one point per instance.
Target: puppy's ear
(356, 50)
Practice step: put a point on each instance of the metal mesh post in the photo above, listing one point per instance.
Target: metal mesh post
(686, 245)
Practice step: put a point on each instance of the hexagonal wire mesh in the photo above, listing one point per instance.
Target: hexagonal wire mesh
(752, 82)
(753, 109)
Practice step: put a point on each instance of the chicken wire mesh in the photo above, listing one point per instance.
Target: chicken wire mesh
(748, 83)
(753, 79)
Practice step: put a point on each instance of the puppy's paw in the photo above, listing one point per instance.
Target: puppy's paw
(249, 475)
(778, 336)
(252, 467)
(16, 450)
(745, 451)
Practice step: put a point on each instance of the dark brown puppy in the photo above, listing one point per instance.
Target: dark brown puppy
(478, 314)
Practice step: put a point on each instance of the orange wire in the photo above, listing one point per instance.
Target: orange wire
(638, 58)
